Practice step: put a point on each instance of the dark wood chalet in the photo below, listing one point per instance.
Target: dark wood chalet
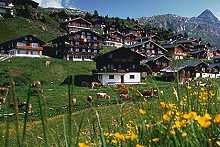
(199, 54)
(130, 39)
(83, 45)
(212, 52)
(6, 7)
(176, 51)
(153, 65)
(149, 48)
(76, 24)
(186, 72)
(119, 66)
(28, 45)
(31, 3)
(114, 39)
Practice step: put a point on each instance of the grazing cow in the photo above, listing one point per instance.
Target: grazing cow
(74, 101)
(95, 85)
(150, 93)
(3, 89)
(2, 100)
(89, 99)
(124, 97)
(103, 95)
(22, 106)
(47, 63)
(36, 84)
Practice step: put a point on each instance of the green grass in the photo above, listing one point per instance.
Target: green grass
(18, 26)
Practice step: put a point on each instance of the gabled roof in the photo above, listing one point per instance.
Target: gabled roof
(155, 58)
(189, 64)
(214, 65)
(198, 51)
(116, 51)
(18, 38)
(78, 18)
(170, 46)
(142, 43)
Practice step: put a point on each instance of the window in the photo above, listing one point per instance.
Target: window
(77, 50)
(95, 51)
(111, 77)
(83, 50)
(131, 76)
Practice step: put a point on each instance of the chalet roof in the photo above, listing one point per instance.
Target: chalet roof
(18, 38)
(117, 51)
(78, 18)
(177, 68)
(213, 49)
(170, 69)
(142, 43)
(149, 59)
(87, 30)
(214, 65)
(170, 46)
(198, 51)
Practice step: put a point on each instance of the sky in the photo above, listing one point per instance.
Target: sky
(139, 8)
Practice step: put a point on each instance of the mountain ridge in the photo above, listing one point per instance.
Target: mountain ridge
(206, 25)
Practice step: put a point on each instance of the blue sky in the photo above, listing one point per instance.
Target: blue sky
(137, 8)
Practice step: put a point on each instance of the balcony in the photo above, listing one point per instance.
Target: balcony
(29, 48)
(115, 70)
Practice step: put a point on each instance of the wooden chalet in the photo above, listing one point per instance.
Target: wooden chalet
(216, 59)
(153, 65)
(199, 54)
(27, 46)
(76, 24)
(130, 39)
(186, 72)
(31, 3)
(120, 66)
(214, 70)
(6, 7)
(176, 51)
(213, 52)
(114, 39)
(83, 45)
(149, 48)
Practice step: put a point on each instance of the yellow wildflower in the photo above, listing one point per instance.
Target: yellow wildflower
(204, 121)
(139, 145)
(156, 139)
(184, 134)
(119, 136)
(142, 111)
(166, 116)
(83, 145)
(218, 143)
(131, 136)
(172, 132)
(190, 115)
(217, 119)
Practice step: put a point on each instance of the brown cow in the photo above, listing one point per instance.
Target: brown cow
(95, 85)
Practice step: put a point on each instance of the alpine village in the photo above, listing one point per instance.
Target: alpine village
(75, 78)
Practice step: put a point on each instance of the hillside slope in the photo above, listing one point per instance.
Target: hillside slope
(18, 26)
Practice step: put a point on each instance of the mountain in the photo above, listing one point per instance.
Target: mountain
(206, 25)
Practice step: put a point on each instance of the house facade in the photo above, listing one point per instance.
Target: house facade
(83, 45)
(149, 49)
(176, 51)
(186, 72)
(26, 46)
(154, 65)
(6, 7)
(76, 24)
(114, 39)
(120, 66)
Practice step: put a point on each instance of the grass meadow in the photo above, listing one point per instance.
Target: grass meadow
(180, 115)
